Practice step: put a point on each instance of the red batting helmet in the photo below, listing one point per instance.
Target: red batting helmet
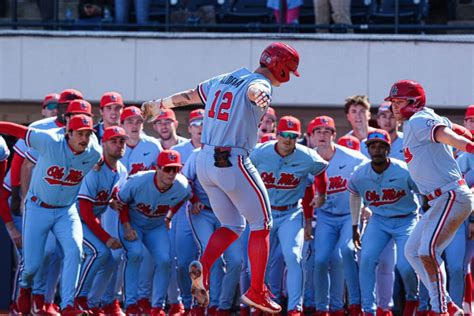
(409, 90)
(280, 59)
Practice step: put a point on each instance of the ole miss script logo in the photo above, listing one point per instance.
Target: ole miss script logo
(136, 167)
(102, 197)
(146, 209)
(337, 184)
(55, 175)
(389, 196)
(285, 182)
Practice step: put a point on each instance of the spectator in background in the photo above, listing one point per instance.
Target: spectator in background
(291, 10)
(92, 11)
(142, 11)
(338, 10)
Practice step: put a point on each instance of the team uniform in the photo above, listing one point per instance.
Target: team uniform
(389, 196)
(147, 208)
(54, 185)
(225, 272)
(286, 179)
(334, 227)
(437, 175)
(98, 188)
(396, 147)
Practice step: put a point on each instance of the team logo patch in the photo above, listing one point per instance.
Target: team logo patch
(394, 91)
(83, 106)
(431, 122)
(350, 143)
(172, 157)
(85, 121)
(290, 123)
(325, 121)
(113, 98)
(337, 184)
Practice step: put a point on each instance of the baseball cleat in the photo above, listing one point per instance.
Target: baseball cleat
(261, 300)
(198, 290)
(23, 301)
(454, 310)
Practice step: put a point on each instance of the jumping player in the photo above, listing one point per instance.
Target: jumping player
(428, 141)
(234, 105)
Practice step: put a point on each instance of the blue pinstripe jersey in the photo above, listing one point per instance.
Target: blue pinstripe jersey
(99, 186)
(286, 177)
(390, 193)
(59, 172)
(142, 156)
(339, 171)
(230, 118)
(146, 201)
(431, 164)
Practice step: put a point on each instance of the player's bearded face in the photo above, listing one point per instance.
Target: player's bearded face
(387, 121)
(165, 128)
(133, 126)
(358, 116)
(397, 105)
(79, 140)
(111, 114)
(378, 152)
(115, 147)
(322, 137)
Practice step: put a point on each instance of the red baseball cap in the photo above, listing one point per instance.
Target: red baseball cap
(169, 158)
(112, 132)
(350, 142)
(79, 107)
(111, 98)
(378, 135)
(271, 112)
(196, 115)
(384, 107)
(130, 111)
(50, 98)
(165, 114)
(469, 111)
(69, 95)
(289, 124)
(267, 137)
(81, 122)
(321, 121)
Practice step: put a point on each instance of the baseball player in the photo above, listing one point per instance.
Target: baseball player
(165, 124)
(333, 218)
(225, 272)
(385, 186)
(387, 122)
(268, 123)
(284, 167)
(63, 162)
(149, 200)
(97, 190)
(234, 105)
(111, 106)
(181, 232)
(49, 106)
(427, 143)
(140, 155)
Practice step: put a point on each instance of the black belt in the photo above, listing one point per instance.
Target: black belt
(284, 207)
(42, 204)
(401, 216)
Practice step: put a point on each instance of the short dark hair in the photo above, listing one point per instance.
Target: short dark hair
(357, 100)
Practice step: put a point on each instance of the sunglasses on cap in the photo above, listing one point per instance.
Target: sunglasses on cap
(170, 169)
(51, 106)
(377, 136)
(288, 135)
(196, 123)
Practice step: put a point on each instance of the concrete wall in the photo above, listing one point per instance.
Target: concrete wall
(152, 65)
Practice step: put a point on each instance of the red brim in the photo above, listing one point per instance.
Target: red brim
(172, 165)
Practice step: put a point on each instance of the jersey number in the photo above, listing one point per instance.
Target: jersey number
(222, 108)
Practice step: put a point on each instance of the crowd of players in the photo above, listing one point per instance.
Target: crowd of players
(150, 186)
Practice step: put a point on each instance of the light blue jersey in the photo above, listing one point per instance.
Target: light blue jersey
(286, 177)
(99, 186)
(231, 119)
(4, 151)
(189, 171)
(431, 164)
(387, 194)
(142, 156)
(146, 201)
(396, 148)
(185, 149)
(44, 124)
(59, 171)
(340, 169)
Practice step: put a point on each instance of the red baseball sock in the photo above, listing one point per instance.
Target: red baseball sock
(220, 240)
(467, 293)
(259, 248)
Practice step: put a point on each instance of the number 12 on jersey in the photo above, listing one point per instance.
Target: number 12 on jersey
(222, 108)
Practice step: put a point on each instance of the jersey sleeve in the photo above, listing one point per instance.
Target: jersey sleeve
(20, 147)
(352, 185)
(89, 186)
(32, 155)
(125, 192)
(465, 162)
(424, 126)
(189, 169)
(4, 151)
(39, 139)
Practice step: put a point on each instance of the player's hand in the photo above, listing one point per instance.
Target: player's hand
(151, 108)
(308, 230)
(168, 222)
(318, 201)
(113, 243)
(259, 96)
(115, 205)
(470, 232)
(129, 233)
(356, 237)
(366, 214)
(15, 235)
(196, 208)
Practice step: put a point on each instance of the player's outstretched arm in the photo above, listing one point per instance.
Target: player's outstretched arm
(16, 130)
(259, 94)
(152, 108)
(448, 136)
